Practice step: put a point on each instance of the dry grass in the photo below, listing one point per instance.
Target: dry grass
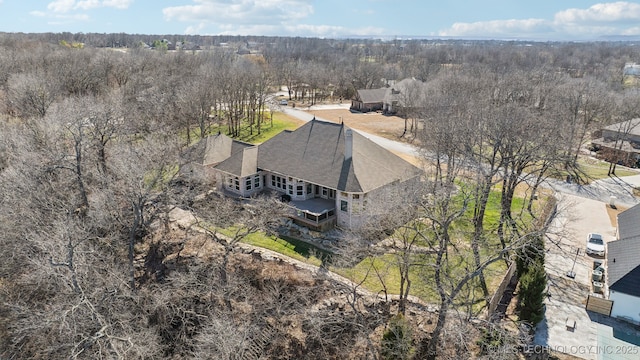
(613, 214)
(390, 127)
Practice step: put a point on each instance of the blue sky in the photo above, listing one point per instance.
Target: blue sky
(497, 19)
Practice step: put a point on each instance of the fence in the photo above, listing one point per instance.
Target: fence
(599, 305)
(497, 296)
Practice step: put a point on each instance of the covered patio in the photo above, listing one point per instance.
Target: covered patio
(317, 214)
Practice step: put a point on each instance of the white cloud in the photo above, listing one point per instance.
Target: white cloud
(332, 31)
(601, 13)
(616, 18)
(118, 4)
(255, 17)
(240, 16)
(64, 6)
(87, 4)
(498, 28)
(226, 12)
(60, 19)
(61, 6)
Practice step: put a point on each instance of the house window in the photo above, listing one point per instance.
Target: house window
(299, 190)
(332, 194)
(356, 196)
(278, 182)
(291, 189)
(237, 183)
(344, 205)
(344, 194)
(256, 181)
(309, 189)
(325, 192)
(247, 184)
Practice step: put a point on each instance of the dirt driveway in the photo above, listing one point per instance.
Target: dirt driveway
(390, 127)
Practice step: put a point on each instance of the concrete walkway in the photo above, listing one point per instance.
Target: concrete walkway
(602, 190)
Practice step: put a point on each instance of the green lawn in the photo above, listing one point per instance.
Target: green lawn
(377, 271)
(296, 250)
(268, 130)
(596, 169)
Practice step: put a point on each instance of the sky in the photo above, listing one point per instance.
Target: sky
(555, 20)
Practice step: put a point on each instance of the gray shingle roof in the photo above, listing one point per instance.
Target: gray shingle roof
(368, 96)
(214, 149)
(628, 284)
(623, 259)
(407, 89)
(629, 223)
(315, 153)
(630, 127)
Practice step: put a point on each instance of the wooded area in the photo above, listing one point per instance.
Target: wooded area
(91, 143)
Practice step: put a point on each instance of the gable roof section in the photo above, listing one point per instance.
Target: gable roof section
(315, 153)
(629, 284)
(404, 90)
(629, 223)
(241, 163)
(214, 149)
(369, 96)
(623, 259)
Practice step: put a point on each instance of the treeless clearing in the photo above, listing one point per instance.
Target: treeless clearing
(390, 127)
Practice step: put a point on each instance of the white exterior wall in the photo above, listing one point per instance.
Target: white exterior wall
(370, 206)
(625, 305)
(245, 186)
(352, 217)
(344, 217)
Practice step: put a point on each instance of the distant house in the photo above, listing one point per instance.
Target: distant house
(631, 74)
(403, 96)
(368, 100)
(623, 267)
(620, 143)
(328, 173)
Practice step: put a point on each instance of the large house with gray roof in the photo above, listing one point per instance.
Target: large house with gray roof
(623, 266)
(329, 174)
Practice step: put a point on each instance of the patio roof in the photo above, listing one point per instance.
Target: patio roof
(315, 206)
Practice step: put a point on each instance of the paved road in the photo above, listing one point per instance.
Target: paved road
(602, 190)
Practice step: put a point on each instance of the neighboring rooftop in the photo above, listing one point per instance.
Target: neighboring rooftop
(372, 95)
(623, 261)
(631, 69)
(631, 127)
(629, 223)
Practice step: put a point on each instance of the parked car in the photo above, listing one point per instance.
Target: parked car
(283, 102)
(595, 244)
